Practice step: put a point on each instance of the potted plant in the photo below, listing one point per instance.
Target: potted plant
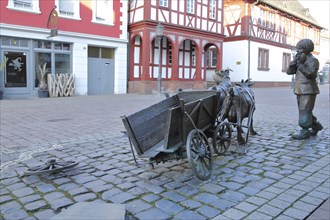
(42, 77)
(2, 67)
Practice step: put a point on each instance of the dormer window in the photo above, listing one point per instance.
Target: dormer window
(306, 12)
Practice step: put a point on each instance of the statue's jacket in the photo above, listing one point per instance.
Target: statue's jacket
(306, 74)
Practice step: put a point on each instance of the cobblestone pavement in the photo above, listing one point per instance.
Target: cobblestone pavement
(278, 178)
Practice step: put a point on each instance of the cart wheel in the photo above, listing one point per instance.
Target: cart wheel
(51, 166)
(222, 138)
(199, 154)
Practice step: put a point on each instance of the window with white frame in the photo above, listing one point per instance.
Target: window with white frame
(163, 3)
(211, 57)
(286, 59)
(261, 19)
(271, 24)
(103, 11)
(24, 5)
(68, 8)
(212, 9)
(263, 59)
(213, 54)
(190, 6)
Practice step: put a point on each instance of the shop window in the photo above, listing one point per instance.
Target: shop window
(14, 42)
(24, 5)
(61, 46)
(56, 55)
(103, 12)
(286, 61)
(43, 44)
(263, 59)
(62, 63)
(40, 60)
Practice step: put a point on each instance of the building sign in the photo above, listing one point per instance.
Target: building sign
(52, 23)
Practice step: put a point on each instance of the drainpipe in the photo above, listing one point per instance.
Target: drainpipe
(249, 40)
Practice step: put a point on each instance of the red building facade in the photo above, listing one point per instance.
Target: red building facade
(190, 48)
(86, 35)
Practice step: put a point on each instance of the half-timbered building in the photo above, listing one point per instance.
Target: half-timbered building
(260, 36)
(82, 37)
(187, 53)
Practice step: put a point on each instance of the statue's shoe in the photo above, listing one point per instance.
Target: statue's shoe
(303, 134)
(315, 129)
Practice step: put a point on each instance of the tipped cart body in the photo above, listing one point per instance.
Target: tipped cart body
(175, 128)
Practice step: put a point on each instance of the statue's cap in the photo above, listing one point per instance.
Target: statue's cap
(306, 44)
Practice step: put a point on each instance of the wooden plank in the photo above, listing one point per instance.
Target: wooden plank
(190, 96)
(173, 131)
(131, 135)
(202, 112)
(148, 125)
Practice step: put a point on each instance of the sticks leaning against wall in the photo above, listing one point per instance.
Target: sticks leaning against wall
(61, 84)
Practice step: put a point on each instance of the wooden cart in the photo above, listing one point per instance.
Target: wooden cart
(175, 128)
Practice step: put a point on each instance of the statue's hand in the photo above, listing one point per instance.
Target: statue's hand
(302, 58)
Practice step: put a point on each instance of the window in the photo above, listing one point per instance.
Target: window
(56, 55)
(213, 53)
(193, 56)
(190, 5)
(213, 9)
(103, 11)
(68, 8)
(211, 57)
(169, 53)
(286, 61)
(271, 20)
(40, 59)
(62, 63)
(14, 42)
(101, 52)
(261, 19)
(263, 59)
(24, 5)
(163, 3)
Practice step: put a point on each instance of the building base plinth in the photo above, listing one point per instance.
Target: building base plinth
(147, 87)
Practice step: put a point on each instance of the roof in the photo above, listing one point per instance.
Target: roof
(292, 7)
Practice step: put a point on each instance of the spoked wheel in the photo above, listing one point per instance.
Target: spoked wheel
(199, 154)
(222, 138)
(51, 166)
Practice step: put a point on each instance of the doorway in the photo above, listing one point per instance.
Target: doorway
(15, 74)
(100, 76)
(100, 71)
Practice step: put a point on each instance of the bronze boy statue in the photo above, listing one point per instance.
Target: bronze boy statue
(305, 66)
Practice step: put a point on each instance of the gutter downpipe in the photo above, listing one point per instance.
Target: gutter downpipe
(249, 40)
